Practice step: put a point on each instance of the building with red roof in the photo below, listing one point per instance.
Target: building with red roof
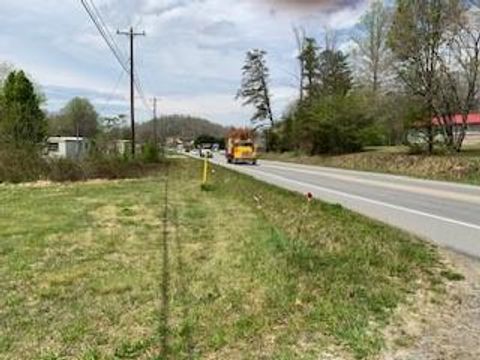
(473, 121)
(473, 127)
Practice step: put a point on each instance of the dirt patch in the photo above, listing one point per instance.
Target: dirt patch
(440, 326)
(34, 184)
(106, 216)
(48, 183)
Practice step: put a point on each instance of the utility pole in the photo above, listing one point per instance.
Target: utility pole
(155, 138)
(132, 35)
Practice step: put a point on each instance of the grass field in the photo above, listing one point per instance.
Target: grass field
(463, 167)
(157, 269)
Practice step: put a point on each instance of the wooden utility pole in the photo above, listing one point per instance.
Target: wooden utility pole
(155, 137)
(132, 35)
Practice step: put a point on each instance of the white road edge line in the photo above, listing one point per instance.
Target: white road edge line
(411, 188)
(318, 168)
(375, 202)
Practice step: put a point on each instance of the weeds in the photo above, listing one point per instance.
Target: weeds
(27, 165)
(452, 275)
(88, 273)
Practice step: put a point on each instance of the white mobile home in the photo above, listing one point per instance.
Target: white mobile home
(67, 147)
(123, 147)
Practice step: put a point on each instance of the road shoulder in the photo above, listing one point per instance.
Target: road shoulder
(421, 331)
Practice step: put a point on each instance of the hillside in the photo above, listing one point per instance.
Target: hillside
(182, 126)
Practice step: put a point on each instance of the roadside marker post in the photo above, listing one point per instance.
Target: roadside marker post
(205, 171)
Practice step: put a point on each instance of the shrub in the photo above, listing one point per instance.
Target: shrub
(150, 153)
(65, 170)
(112, 168)
(333, 125)
(20, 165)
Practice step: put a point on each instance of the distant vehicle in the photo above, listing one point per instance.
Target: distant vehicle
(206, 153)
(241, 147)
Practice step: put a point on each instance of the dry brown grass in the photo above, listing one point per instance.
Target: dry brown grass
(461, 168)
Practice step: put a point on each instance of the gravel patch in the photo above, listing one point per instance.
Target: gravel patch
(441, 326)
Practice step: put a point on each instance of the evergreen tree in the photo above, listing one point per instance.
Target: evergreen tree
(335, 75)
(311, 66)
(22, 122)
(254, 89)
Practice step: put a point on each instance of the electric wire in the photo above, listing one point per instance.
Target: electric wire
(113, 93)
(111, 44)
(99, 22)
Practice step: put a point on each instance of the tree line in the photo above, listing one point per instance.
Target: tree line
(411, 71)
(184, 127)
(23, 122)
(25, 125)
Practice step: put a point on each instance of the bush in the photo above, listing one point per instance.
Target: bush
(27, 165)
(333, 125)
(113, 168)
(150, 153)
(20, 165)
(64, 170)
(373, 135)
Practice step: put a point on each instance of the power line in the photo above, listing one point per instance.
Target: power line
(141, 93)
(107, 31)
(111, 40)
(104, 33)
(102, 27)
(99, 22)
(114, 92)
(138, 84)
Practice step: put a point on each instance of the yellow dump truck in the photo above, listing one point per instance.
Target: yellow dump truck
(241, 147)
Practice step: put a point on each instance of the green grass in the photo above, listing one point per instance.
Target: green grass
(244, 270)
(463, 167)
(452, 275)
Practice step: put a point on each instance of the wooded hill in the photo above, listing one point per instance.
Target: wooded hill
(181, 126)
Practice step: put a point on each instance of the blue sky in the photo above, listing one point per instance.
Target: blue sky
(191, 57)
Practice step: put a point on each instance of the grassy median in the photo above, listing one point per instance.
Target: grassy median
(144, 269)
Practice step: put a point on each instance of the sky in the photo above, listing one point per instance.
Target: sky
(190, 58)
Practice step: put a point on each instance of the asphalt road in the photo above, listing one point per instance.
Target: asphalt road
(445, 213)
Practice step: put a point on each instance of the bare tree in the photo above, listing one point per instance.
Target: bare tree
(417, 37)
(459, 81)
(373, 53)
(300, 41)
(330, 39)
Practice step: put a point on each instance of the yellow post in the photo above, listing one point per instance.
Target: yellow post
(205, 171)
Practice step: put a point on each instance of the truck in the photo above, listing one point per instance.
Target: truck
(240, 147)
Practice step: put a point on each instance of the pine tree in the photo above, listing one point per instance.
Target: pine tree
(254, 88)
(22, 122)
(335, 75)
(311, 66)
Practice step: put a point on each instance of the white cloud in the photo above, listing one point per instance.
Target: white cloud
(191, 57)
